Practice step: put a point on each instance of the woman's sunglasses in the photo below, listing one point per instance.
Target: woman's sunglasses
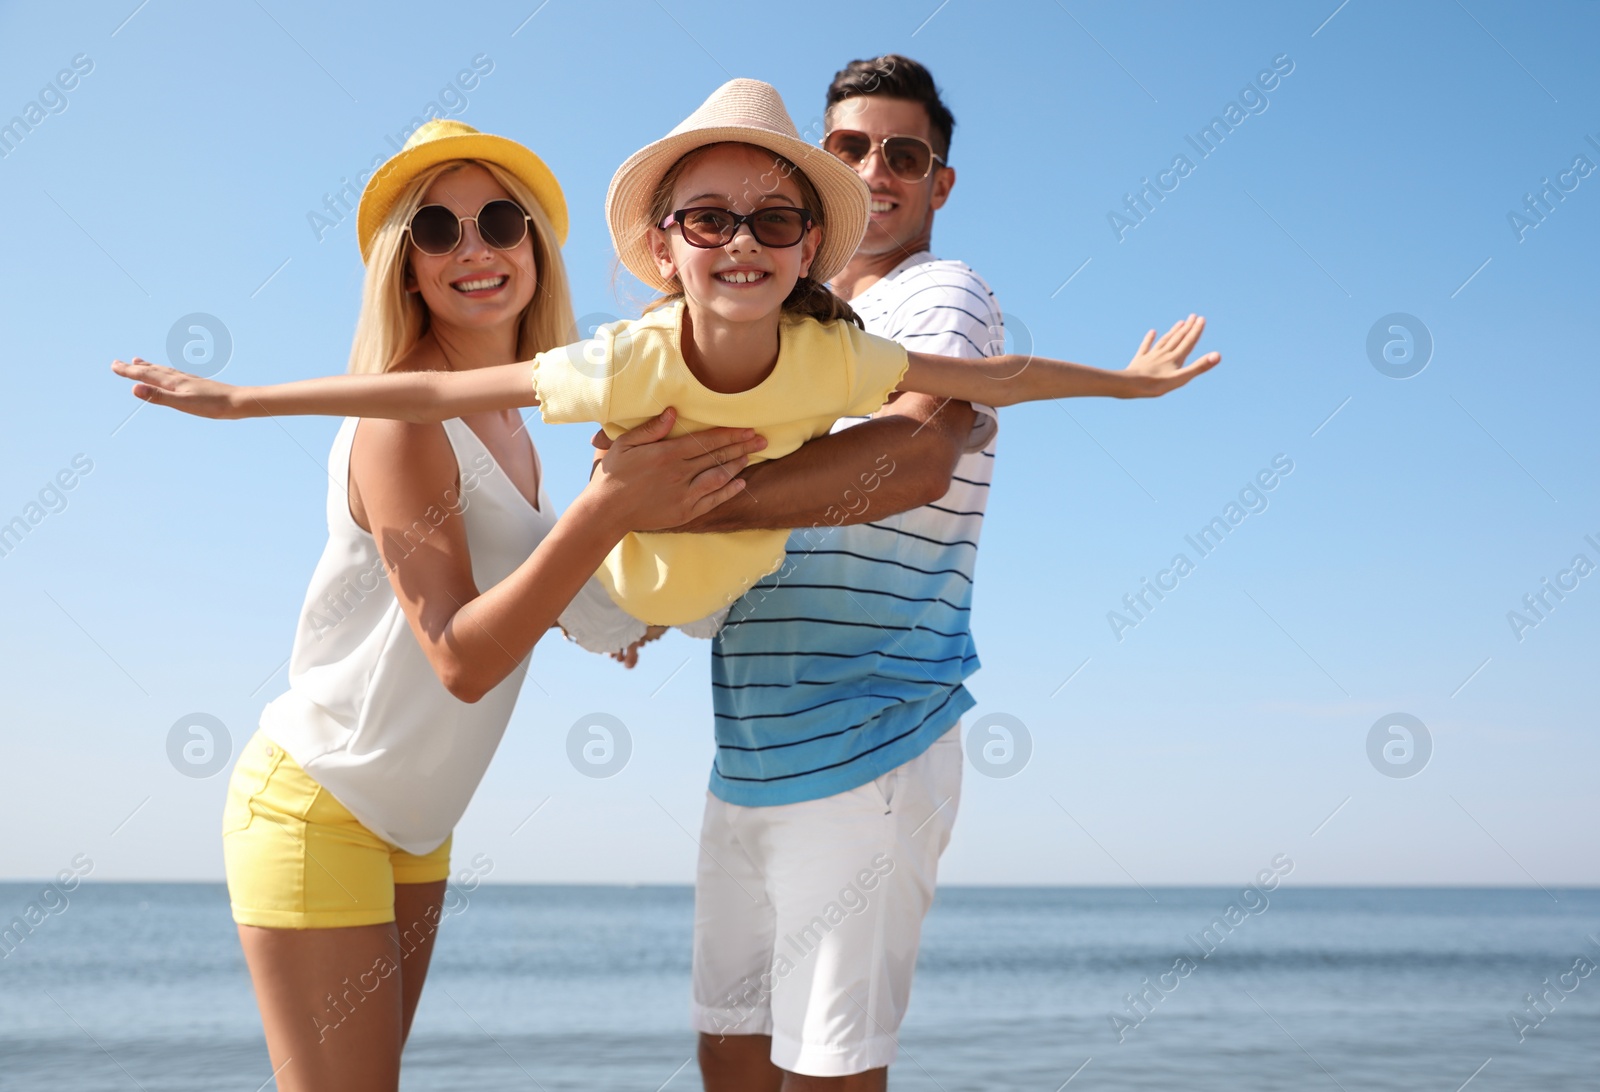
(777, 226)
(436, 230)
(908, 158)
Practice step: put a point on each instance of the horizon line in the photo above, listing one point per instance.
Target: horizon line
(689, 885)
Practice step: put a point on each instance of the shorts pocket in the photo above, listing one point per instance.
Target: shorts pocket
(255, 767)
(886, 786)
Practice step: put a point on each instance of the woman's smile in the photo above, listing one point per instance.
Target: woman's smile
(481, 285)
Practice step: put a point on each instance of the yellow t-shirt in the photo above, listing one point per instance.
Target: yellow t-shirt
(633, 369)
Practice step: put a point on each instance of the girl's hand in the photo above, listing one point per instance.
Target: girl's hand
(169, 387)
(1158, 365)
(629, 657)
(649, 483)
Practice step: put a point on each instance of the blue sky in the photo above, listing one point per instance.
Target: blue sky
(178, 174)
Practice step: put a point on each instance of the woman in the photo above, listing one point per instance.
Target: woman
(404, 673)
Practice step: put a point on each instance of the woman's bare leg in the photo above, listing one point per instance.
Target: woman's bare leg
(418, 909)
(336, 1004)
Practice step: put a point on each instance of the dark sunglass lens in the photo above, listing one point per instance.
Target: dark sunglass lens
(850, 146)
(707, 227)
(779, 227)
(502, 224)
(907, 157)
(435, 230)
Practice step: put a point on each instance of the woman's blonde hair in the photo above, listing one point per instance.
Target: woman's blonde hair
(393, 320)
(808, 298)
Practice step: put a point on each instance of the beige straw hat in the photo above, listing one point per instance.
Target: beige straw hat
(750, 112)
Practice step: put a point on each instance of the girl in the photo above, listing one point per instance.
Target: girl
(741, 223)
(444, 566)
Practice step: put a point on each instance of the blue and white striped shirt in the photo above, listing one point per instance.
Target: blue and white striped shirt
(849, 660)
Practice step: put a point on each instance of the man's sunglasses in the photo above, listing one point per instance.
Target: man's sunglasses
(908, 158)
(436, 229)
(777, 226)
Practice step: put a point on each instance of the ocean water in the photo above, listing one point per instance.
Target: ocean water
(143, 986)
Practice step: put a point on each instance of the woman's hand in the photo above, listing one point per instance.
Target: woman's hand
(1158, 365)
(649, 483)
(169, 387)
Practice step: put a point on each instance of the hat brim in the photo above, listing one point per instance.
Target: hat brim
(845, 198)
(391, 179)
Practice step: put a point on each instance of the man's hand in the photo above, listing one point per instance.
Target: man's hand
(1158, 365)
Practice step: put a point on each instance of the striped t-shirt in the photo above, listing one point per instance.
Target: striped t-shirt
(849, 660)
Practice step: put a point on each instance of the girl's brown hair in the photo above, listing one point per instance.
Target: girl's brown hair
(808, 298)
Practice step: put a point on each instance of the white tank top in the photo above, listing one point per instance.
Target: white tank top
(365, 714)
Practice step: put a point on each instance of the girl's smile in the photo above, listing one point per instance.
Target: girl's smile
(741, 276)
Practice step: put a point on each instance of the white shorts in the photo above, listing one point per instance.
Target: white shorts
(808, 916)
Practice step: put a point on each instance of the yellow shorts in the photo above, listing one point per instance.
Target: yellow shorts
(297, 859)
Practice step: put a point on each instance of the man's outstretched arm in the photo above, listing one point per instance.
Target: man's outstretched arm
(901, 459)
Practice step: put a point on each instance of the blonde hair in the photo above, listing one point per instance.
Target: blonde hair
(393, 320)
(808, 298)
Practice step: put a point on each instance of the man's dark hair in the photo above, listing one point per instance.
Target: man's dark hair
(895, 77)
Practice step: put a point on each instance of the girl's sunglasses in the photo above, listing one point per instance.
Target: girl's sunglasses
(908, 158)
(777, 226)
(436, 230)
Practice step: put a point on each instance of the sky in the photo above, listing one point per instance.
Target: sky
(1394, 244)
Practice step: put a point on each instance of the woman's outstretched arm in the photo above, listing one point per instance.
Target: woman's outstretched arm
(420, 397)
(1158, 367)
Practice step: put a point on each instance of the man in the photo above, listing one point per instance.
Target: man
(838, 680)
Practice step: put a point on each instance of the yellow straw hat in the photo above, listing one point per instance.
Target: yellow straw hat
(440, 141)
(750, 112)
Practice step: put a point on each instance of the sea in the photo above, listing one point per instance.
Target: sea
(143, 986)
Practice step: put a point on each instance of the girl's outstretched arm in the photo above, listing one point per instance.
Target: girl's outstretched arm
(421, 397)
(1158, 367)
